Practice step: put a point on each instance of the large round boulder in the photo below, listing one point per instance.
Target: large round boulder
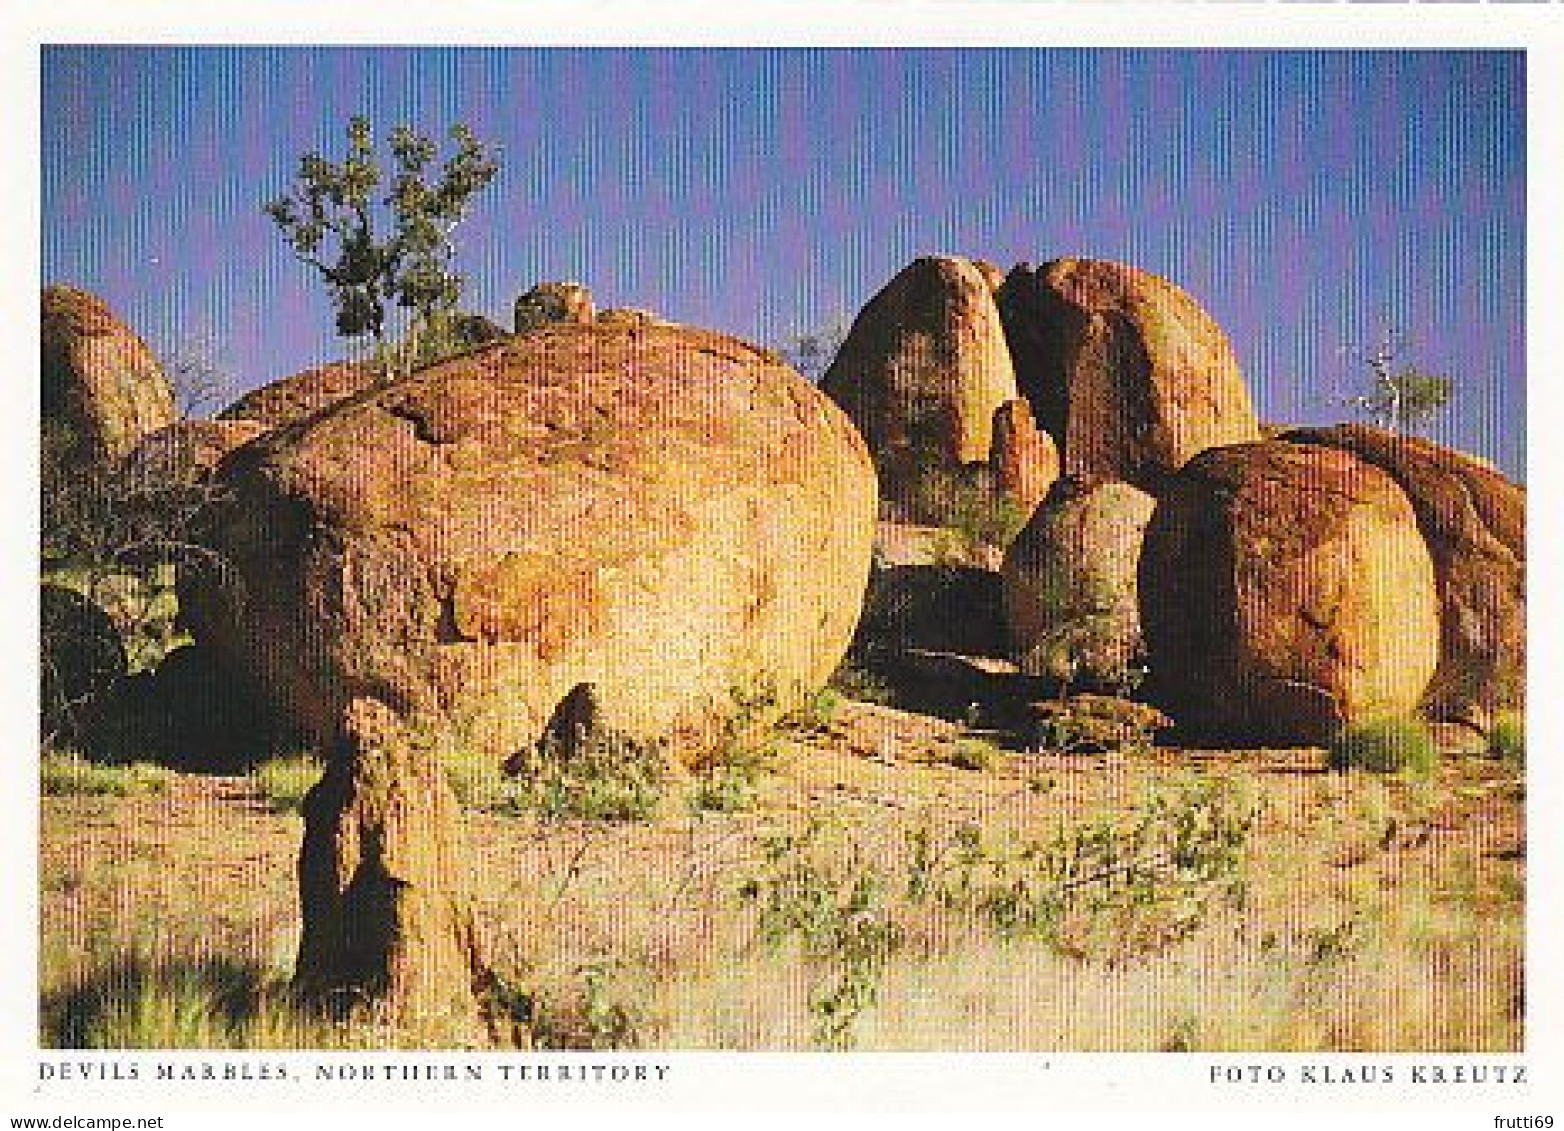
(1070, 584)
(303, 394)
(101, 387)
(1124, 369)
(1474, 520)
(1286, 591)
(667, 514)
(923, 370)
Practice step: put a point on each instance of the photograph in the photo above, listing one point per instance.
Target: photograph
(563, 567)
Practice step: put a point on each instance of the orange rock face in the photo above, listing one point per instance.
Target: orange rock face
(1125, 370)
(667, 514)
(99, 379)
(1024, 460)
(1474, 521)
(1286, 590)
(924, 368)
(303, 394)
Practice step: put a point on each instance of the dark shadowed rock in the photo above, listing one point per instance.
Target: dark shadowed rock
(666, 513)
(1285, 591)
(82, 664)
(1125, 370)
(1474, 521)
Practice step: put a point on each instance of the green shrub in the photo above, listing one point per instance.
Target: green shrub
(64, 773)
(853, 682)
(1385, 746)
(727, 789)
(1507, 737)
(972, 754)
(285, 780)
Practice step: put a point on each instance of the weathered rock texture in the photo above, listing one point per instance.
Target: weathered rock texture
(666, 513)
(1023, 459)
(99, 380)
(548, 303)
(1474, 521)
(1285, 591)
(1070, 583)
(304, 394)
(1126, 371)
(387, 917)
(631, 316)
(923, 370)
(187, 449)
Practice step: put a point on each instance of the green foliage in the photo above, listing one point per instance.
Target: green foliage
(1111, 888)
(857, 683)
(1401, 397)
(1507, 737)
(331, 216)
(746, 748)
(972, 754)
(63, 773)
(1385, 746)
(591, 1016)
(284, 780)
(814, 715)
(611, 778)
(838, 916)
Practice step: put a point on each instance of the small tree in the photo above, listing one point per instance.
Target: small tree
(1401, 397)
(812, 351)
(333, 216)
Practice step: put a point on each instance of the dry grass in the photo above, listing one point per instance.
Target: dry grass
(1381, 914)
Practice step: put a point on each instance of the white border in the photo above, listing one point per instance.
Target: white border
(1121, 1084)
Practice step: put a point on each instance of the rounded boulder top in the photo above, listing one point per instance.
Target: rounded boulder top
(667, 513)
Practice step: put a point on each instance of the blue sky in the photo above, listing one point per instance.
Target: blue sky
(1302, 197)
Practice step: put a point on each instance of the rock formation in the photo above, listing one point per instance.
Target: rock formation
(1286, 590)
(1126, 371)
(387, 917)
(1474, 521)
(1070, 584)
(303, 394)
(101, 386)
(923, 371)
(1023, 461)
(666, 513)
(548, 303)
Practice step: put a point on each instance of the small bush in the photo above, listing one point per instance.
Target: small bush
(815, 714)
(727, 789)
(972, 754)
(64, 773)
(1385, 746)
(853, 682)
(1507, 738)
(285, 780)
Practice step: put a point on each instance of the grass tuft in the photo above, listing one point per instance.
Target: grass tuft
(285, 780)
(63, 773)
(1507, 738)
(1385, 746)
